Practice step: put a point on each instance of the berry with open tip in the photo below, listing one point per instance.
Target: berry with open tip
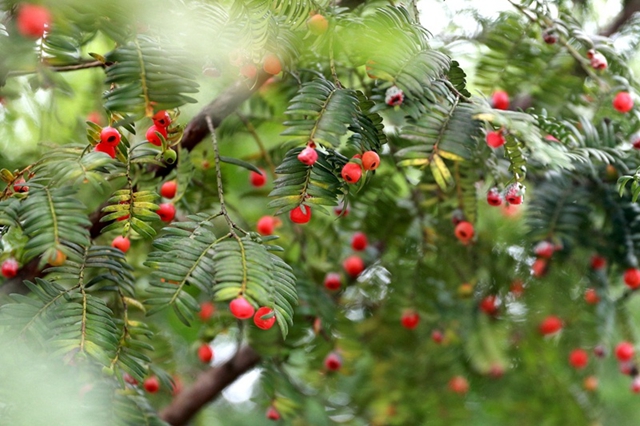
(110, 136)
(494, 198)
(370, 160)
(464, 231)
(10, 268)
(332, 281)
(333, 361)
(162, 119)
(351, 173)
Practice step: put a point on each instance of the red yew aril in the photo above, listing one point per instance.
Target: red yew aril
(258, 179)
(298, 216)
(600, 351)
(272, 413)
(410, 319)
(332, 281)
(370, 160)
(162, 119)
(205, 353)
(539, 267)
(151, 384)
(241, 308)
(495, 139)
(459, 384)
(464, 231)
(266, 225)
(436, 336)
(128, 378)
(10, 268)
(591, 296)
(110, 136)
(271, 64)
(500, 99)
(353, 265)
(550, 325)
(153, 138)
(317, 24)
(623, 102)
(264, 323)
(514, 194)
(359, 241)
(121, 243)
(598, 262)
(166, 211)
(169, 189)
(544, 249)
(494, 198)
(632, 278)
(624, 351)
(578, 358)
(206, 311)
(107, 149)
(590, 383)
(333, 361)
(19, 185)
(33, 20)
(489, 305)
(351, 173)
(308, 156)
(635, 385)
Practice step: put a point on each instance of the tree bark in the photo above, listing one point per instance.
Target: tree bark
(208, 386)
(629, 9)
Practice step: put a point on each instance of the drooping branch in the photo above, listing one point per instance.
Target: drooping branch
(208, 386)
(630, 8)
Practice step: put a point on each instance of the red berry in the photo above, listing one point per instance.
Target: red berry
(351, 173)
(623, 102)
(10, 268)
(591, 296)
(459, 384)
(266, 225)
(271, 64)
(578, 358)
(550, 325)
(370, 160)
(464, 231)
(488, 305)
(549, 37)
(169, 189)
(598, 262)
(635, 385)
(500, 99)
(632, 278)
(121, 243)
(249, 71)
(308, 156)
(598, 60)
(410, 319)
(494, 198)
(359, 241)
(436, 336)
(107, 149)
(635, 140)
(151, 384)
(353, 265)
(517, 288)
(206, 311)
(600, 351)
(19, 186)
(318, 24)
(394, 96)
(162, 119)
(166, 211)
(272, 413)
(514, 193)
(110, 136)
(205, 353)
(333, 362)
(128, 378)
(264, 323)
(241, 308)
(33, 20)
(544, 249)
(332, 281)
(298, 216)
(153, 138)
(624, 351)
(495, 139)
(258, 179)
(539, 268)
(626, 367)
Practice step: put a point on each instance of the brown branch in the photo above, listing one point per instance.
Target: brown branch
(61, 68)
(630, 8)
(208, 386)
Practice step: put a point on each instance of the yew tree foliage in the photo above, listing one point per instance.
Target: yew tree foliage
(99, 315)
